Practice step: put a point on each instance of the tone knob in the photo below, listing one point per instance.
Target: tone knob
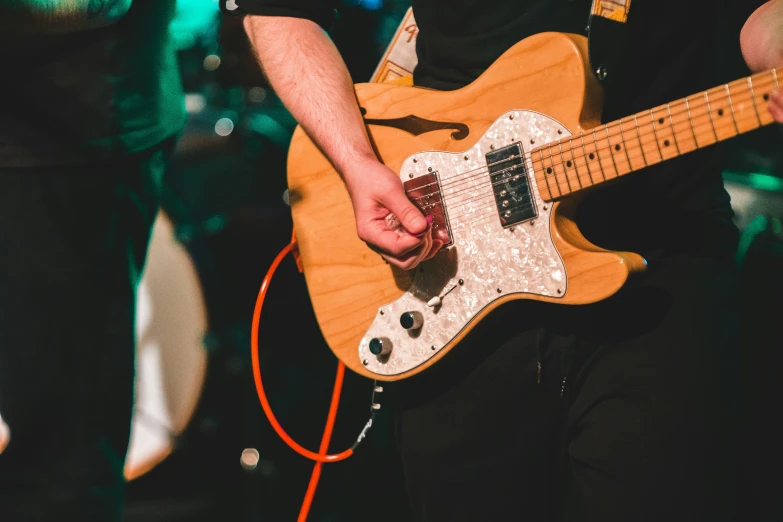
(411, 320)
(380, 346)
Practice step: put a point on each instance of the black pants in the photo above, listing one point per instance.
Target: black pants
(72, 245)
(632, 419)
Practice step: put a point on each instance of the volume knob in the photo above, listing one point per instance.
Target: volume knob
(411, 320)
(380, 346)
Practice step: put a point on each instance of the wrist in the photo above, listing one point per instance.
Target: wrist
(358, 167)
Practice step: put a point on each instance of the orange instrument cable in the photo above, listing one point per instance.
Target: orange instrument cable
(322, 455)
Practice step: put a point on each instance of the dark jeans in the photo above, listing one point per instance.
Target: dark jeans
(72, 245)
(633, 419)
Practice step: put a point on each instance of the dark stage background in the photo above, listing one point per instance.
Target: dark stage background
(224, 194)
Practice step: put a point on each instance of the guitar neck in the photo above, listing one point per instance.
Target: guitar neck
(649, 137)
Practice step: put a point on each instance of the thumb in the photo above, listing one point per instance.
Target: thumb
(410, 217)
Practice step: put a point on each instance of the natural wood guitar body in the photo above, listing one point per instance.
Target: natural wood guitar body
(348, 283)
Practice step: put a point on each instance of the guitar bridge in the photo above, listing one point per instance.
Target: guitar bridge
(424, 192)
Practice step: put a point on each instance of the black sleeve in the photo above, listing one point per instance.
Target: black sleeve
(322, 12)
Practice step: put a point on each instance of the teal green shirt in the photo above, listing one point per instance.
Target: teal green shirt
(91, 95)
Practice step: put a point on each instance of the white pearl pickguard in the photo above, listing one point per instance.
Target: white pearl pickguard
(485, 261)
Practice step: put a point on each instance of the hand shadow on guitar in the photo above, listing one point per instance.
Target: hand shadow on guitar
(431, 278)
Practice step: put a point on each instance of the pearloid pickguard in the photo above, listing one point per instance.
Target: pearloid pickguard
(490, 261)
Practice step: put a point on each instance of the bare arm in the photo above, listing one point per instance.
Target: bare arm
(59, 16)
(761, 41)
(761, 38)
(308, 74)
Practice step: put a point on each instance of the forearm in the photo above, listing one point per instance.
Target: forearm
(59, 16)
(308, 74)
(761, 38)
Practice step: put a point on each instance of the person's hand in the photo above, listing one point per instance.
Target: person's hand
(761, 41)
(387, 220)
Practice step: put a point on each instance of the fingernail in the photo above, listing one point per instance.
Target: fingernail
(429, 222)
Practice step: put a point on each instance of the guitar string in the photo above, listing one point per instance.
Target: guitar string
(556, 163)
(492, 211)
(688, 110)
(580, 176)
(583, 172)
(489, 211)
(462, 179)
(767, 76)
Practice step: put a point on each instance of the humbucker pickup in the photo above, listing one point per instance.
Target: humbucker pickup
(510, 185)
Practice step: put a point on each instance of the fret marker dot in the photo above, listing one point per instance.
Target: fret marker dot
(549, 170)
(665, 143)
(766, 96)
(617, 147)
(720, 112)
(660, 121)
(568, 164)
(592, 156)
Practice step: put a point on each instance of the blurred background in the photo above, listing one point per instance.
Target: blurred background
(202, 448)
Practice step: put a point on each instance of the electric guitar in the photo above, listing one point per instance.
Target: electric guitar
(501, 164)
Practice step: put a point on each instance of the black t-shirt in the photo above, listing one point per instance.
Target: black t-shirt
(90, 95)
(671, 51)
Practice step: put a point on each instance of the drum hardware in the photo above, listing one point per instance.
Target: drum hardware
(171, 323)
(757, 200)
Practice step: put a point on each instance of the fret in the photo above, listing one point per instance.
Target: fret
(664, 136)
(742, 108)
(649, 141)
(560, 176)
(604, 155)
(701, 120)
(690, 121)
(639, 139)
(712, 120)
(549, 173)
(725, 127)
(578, 160)
(671, 126)
(731, 108)
(762, 89)
(681, 127)
(593, 160)
(570, 166)
(775, 76)
(550, 179)
(582, 159)
(542, 180)
(571, 181)
(633, 148)
(614, 137)
(650, 137)
(753, 99)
